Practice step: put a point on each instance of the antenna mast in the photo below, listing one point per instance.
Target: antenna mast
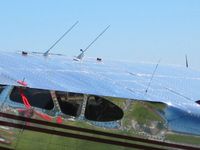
(81, 55)
(47, 52)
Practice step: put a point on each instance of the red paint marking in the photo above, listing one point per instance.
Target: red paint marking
(26, 111)
(23, 83)
(44, 116)
(24, 99)
(59, 120)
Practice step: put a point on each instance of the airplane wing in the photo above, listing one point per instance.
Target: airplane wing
(173, 85)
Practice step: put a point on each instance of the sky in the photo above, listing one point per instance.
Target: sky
(142, 30)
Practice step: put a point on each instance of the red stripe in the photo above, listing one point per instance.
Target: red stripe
(24, 99)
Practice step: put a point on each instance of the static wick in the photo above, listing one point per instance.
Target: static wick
(152, 76)
(186, 61)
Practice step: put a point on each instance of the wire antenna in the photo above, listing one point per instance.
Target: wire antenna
(152, 75)
(186, 61)
(47, 52)
(81, 55)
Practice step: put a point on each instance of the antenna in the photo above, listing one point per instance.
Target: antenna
(81, 55)
(186, 61)
(47, 52)
(153, 75)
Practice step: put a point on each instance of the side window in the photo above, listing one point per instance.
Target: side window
(70, 103)
(101, 109)
(36, 97)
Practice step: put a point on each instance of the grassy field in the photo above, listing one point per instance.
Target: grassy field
(182, 138)
(33, 140)
(50, 142)
(143, 113)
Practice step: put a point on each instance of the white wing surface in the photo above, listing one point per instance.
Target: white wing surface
(173, 85)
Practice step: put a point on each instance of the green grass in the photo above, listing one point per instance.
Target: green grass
(142, 113)
(34, 140)
(157, 106)
(181, 138)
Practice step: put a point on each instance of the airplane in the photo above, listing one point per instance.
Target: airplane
(57, 76)
(60, 79)
(54, 86)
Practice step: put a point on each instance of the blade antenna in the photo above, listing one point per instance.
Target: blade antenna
(81, 55)
(47, 52)
(152, 76)
(186, 61)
